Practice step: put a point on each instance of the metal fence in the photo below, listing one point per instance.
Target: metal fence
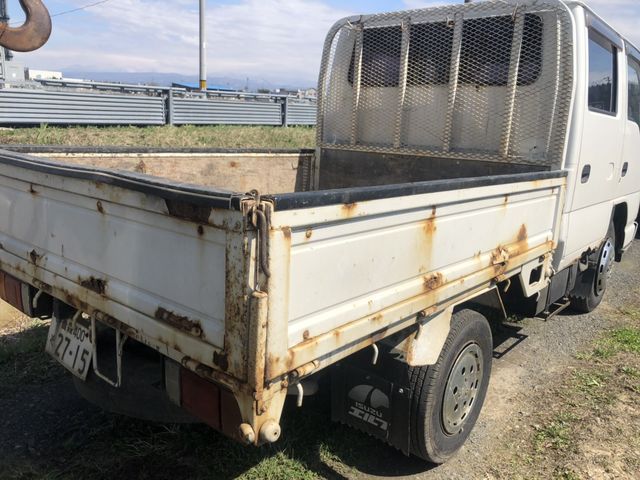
(96, 103)
(189, 111)
(21, 106)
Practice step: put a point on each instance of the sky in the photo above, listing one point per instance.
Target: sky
(266, 40)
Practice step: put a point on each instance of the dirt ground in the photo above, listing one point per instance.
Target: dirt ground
(564, 402)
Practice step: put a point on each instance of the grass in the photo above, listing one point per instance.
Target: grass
(591, 414)
(555, 434)
(621, 340)
(115, 447)
(220, 136)
(22, 357)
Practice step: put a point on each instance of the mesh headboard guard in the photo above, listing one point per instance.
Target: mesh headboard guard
(488, 81)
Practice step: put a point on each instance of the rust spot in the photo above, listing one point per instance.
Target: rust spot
(499, 256)
(233, 164)
(433, 281)
(42, 286)
(506, 198)
(180, 322)
(309, 233)
(97, 285)
(33, 255)
(430, 226)
(99, 206)
(286, 231)
(522, 233)
(221, 360)
(32, 190)
(306, 335)
(272, 362)
(349, 209)
(188, 211)
(200, 230)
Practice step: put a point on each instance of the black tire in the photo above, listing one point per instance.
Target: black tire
(430, 438)
(591, 285)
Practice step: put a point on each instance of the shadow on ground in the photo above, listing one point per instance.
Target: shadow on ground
(48, 430)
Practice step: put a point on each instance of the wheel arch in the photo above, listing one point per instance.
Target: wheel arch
(620, 219)
(422, 346)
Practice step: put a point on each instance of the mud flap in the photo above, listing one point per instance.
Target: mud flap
(373, 399)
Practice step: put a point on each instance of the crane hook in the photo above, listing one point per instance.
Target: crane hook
(31, 35)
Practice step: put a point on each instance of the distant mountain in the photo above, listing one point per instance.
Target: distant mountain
(166, 79)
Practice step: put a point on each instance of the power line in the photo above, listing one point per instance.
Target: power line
(73, 10)
(84, 7)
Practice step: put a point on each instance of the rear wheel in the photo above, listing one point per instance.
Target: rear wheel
(448, 396)
(591, 284)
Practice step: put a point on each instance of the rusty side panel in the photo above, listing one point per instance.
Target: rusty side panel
(236, 335)
(437, 295)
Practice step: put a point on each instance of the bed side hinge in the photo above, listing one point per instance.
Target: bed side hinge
(259, 215)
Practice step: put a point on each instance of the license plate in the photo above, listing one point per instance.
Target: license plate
(69, 342)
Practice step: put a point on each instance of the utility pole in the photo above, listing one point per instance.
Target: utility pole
(203, 46)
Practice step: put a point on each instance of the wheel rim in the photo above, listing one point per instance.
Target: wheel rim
(461, 391)
(605, 265)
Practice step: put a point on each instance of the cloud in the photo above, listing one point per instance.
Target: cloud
(273, 40)
(262, 39)
(620, 14)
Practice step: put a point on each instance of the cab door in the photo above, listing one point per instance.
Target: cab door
(603, 136)
(629, 175)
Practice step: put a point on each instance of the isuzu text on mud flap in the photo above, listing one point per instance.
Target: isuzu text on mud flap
(473, 161)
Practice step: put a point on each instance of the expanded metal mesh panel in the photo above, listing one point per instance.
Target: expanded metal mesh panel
(488, 80)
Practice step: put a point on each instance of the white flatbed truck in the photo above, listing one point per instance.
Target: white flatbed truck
(473, 161)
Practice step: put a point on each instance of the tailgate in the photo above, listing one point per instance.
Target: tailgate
(153, 254)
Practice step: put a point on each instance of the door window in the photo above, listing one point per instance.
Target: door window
(602, 74)
(634, 90)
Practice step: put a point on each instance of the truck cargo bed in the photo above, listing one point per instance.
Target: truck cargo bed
(249, 290)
